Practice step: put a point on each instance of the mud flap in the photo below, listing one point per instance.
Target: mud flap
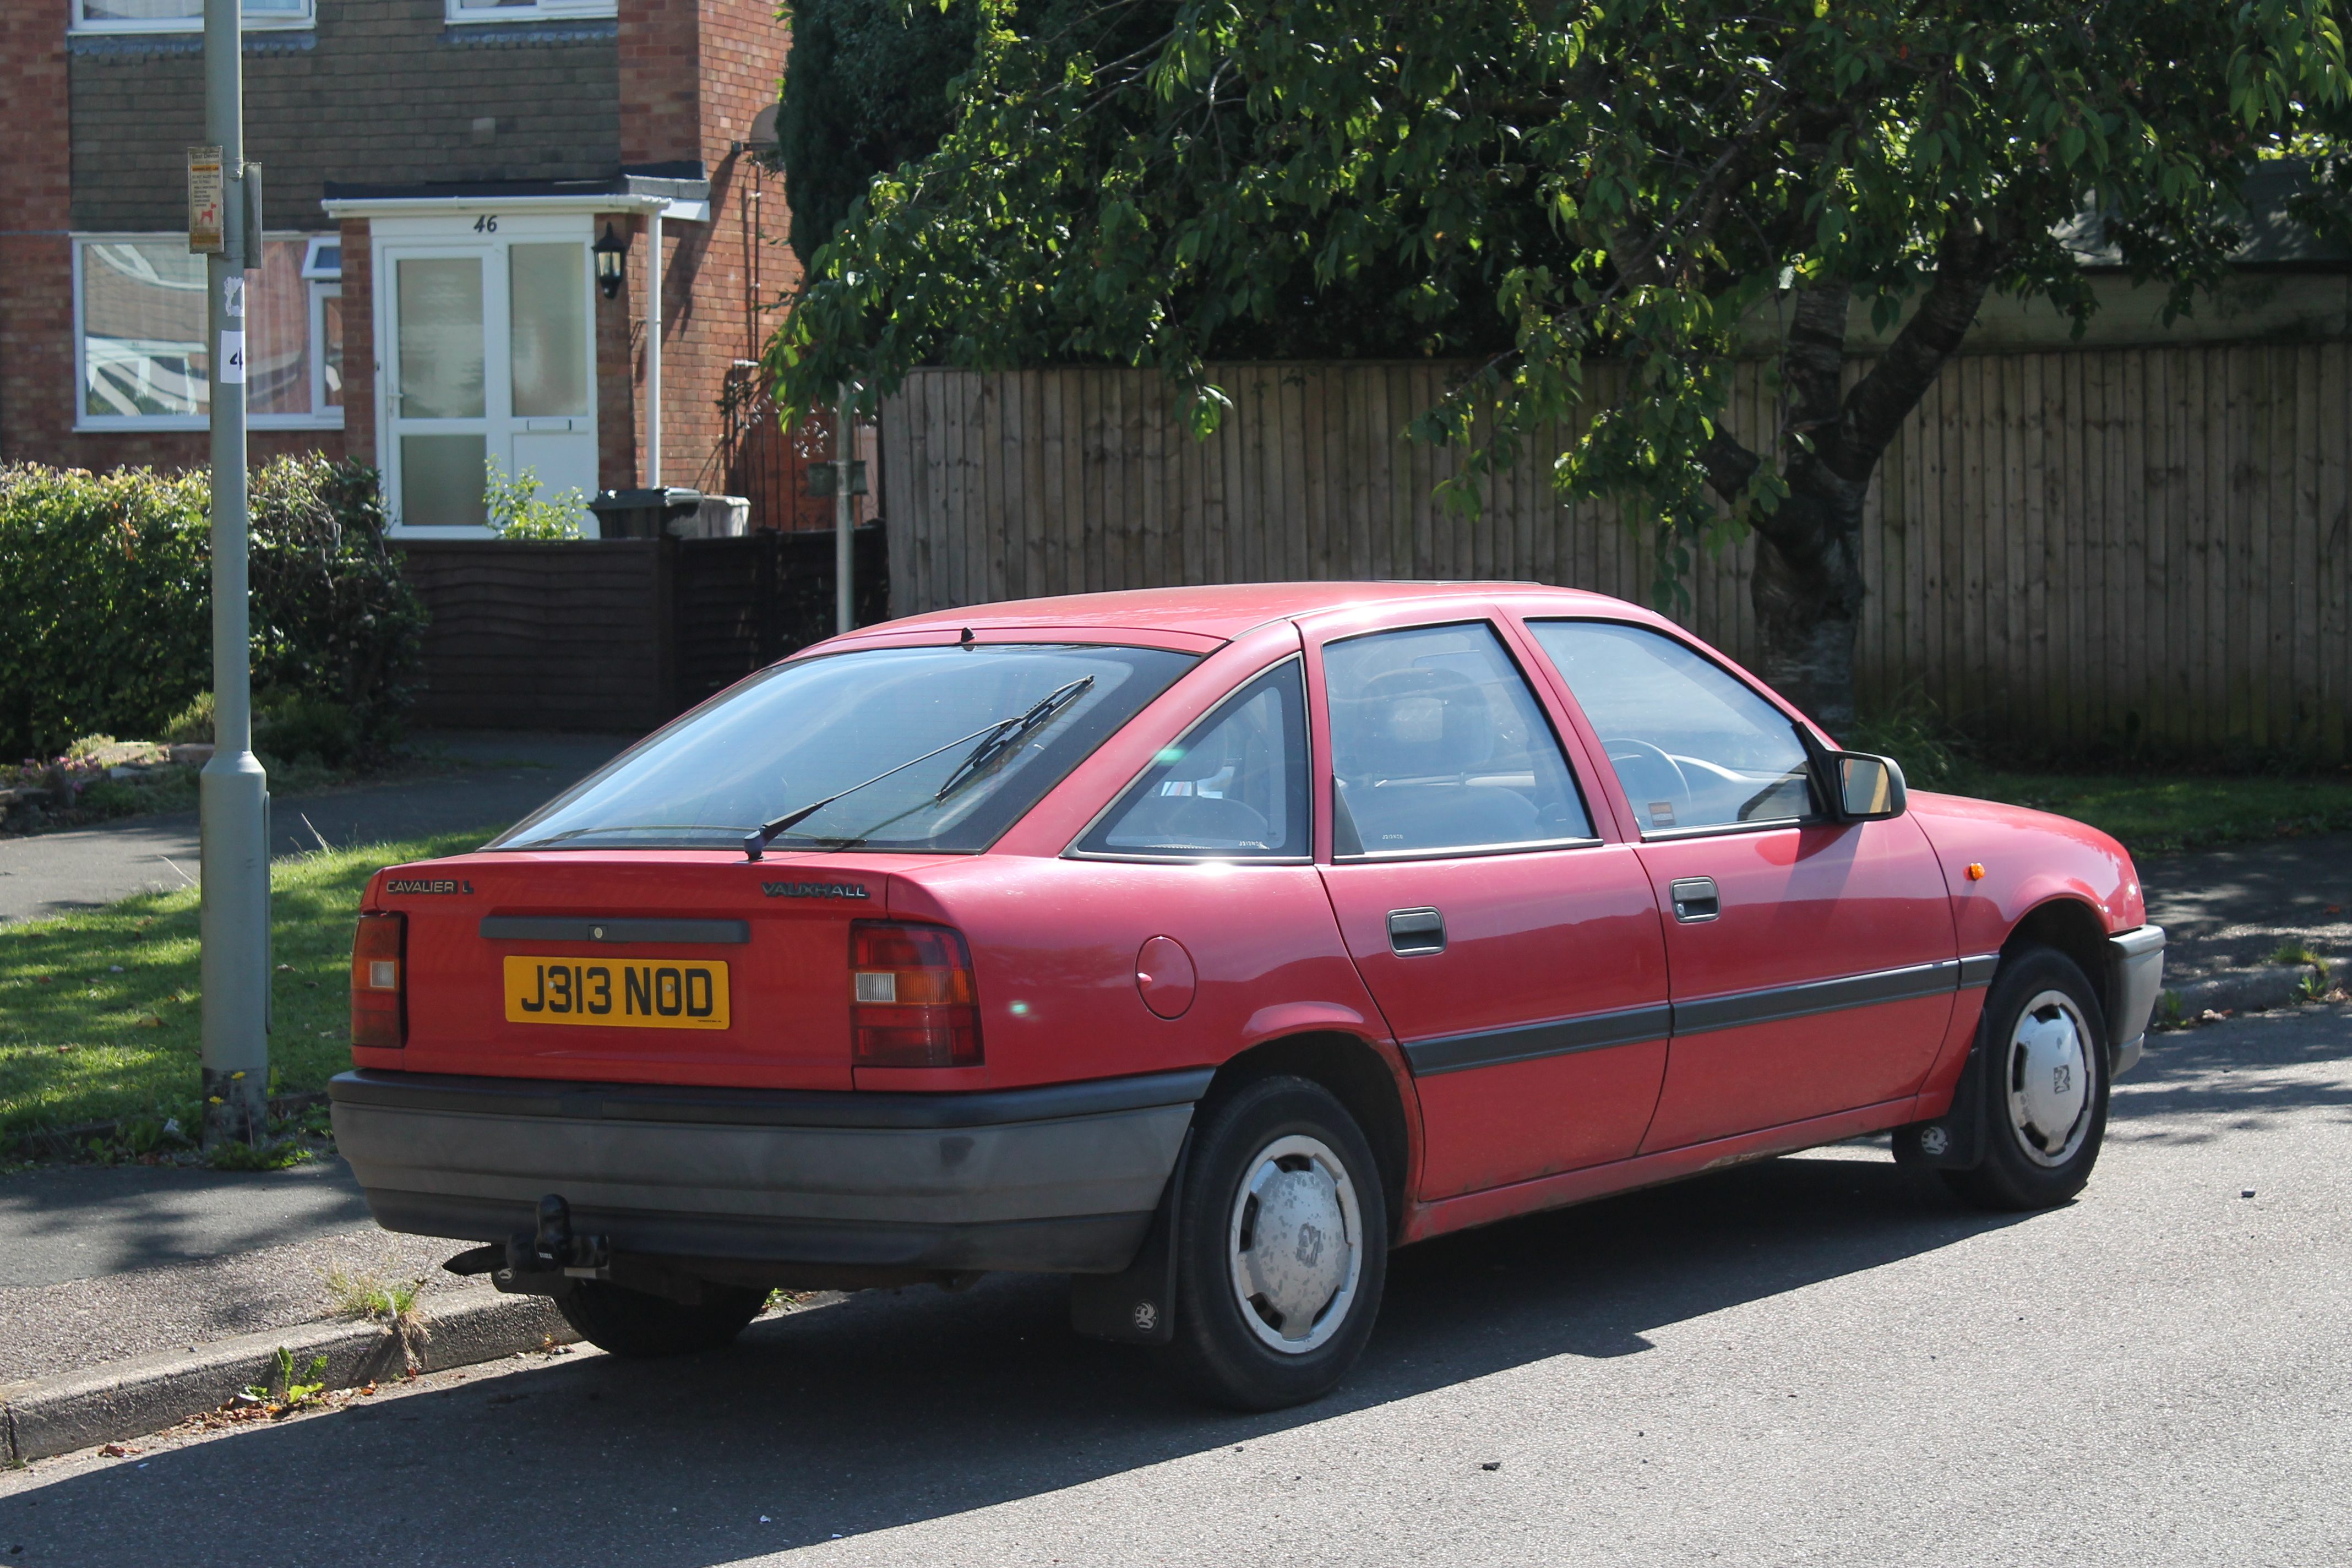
(1137, 1305)
(1955, 1139)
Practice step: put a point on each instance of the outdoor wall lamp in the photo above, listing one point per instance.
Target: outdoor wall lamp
(609, 251)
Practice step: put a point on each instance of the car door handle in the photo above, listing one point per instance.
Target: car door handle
(1694, 899)
(1413, 933)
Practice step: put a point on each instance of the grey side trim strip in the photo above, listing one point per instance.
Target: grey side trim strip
(1632, 1025)
(1978, 971)
(762, 1107)
(1493, 1048)
(593, 928)
(1818, 997)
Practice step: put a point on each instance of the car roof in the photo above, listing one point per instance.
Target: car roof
(1227, 610)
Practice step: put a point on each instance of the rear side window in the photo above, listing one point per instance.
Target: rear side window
(1234, 788)
(924, 748)
(1437, 746)
(1692, 745)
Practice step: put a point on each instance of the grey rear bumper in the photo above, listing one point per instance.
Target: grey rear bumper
(2135, 977)
(1061, 1179)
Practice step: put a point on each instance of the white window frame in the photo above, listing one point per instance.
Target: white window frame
(267, 22)
(535, 11)
(319, 417)
(319, 294)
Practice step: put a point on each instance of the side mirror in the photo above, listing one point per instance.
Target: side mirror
(1869, 788)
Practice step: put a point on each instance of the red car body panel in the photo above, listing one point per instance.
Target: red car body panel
(1801, 904)
(1549, 938)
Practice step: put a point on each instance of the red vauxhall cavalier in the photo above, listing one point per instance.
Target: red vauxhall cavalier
(1204, 944)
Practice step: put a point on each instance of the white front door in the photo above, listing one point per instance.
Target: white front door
(489, 357)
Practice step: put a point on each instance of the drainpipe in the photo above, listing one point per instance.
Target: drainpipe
(652, 348)
(845, 449)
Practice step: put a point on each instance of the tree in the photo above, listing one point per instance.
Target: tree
(1150, 183)
(866, 90)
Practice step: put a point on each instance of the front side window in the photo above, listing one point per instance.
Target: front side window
(180, 16)
(1692, 745)
(1438, 746)
(1234, 788)
(915, 748)
(144, 362)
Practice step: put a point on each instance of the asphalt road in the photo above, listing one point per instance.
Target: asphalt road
(1820, 1359)
(499, 779)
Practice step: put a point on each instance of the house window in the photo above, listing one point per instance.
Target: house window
(525, 10)
(181, 16)
(142, 362)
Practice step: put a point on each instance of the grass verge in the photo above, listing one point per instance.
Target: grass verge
(99, 1016)
(2156, 812)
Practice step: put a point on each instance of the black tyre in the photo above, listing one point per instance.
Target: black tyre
(633, 1323)
(1282, 1248)
(2044, 1057)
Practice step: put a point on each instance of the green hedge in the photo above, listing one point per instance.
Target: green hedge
(106, 602)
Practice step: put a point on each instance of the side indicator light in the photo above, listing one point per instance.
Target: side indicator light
(1976, 872)
(912, 1000)
(379, 992)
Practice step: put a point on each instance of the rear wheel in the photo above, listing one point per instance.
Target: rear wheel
(1282, 1248)
(642, 1326)
(2046, 1088)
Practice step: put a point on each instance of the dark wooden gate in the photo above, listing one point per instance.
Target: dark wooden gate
(619, 635)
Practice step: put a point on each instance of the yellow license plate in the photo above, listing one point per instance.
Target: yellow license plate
(628, 994)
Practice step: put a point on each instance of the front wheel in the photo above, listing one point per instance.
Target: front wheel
(640, 1325)
(2044, 1059)
(1282, 1248)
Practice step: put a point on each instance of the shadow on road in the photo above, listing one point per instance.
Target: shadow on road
(2195, 1084)
(894, 1408)
(890, 1409)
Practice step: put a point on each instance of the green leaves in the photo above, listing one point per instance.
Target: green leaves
(105, 599)
(1535, 186)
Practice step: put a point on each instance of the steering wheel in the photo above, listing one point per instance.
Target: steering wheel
(1648, 773)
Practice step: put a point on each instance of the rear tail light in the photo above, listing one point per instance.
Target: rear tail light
(912, 1000)
(379, 983)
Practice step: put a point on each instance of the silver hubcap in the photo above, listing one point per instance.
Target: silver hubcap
(2049, 1076)
(1293, 1243)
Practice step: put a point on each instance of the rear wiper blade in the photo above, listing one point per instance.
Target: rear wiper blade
(1009, 736)
(755, 843)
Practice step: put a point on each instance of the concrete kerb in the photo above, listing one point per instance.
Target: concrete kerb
(44, 1416)
(2248, 990)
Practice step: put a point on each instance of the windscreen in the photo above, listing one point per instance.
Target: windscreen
(916, 749)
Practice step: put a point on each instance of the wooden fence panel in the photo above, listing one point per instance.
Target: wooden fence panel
(2091, 547)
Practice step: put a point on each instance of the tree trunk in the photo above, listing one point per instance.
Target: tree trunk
(1806, 589)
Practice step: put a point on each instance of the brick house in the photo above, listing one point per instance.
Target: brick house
(437, 173)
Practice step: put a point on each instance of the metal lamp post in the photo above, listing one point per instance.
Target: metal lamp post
(233, 791)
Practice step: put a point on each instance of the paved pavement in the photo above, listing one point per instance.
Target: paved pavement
(2230, 908)
(501, 778)
(1820, 1359)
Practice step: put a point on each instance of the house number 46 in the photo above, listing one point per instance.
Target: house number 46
(486, 224)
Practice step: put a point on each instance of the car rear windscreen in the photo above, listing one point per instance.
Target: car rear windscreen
(915, 748)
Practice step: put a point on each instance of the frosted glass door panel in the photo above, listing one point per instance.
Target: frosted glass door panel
(547, 329)
(441, 481)
(440, 313)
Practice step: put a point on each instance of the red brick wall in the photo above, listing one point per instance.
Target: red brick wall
(618, 324)
(37, 394)
(36, 257)
(359, 342)
(693, 75)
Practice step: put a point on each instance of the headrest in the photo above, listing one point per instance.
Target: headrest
(1419, 720)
